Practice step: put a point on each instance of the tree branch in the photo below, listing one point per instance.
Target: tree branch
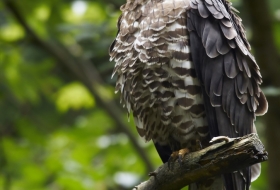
(214, 160)
(85, 72)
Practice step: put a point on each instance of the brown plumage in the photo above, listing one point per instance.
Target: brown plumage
(186, 73)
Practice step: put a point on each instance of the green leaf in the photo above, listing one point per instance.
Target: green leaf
(75, 96)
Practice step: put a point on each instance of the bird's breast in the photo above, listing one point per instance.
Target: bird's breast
(156, 76)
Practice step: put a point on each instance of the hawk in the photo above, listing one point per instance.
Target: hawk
(186, 72)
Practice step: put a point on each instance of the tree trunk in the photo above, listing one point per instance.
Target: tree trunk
(268, 58)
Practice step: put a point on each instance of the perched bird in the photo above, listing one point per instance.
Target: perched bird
(186, 73)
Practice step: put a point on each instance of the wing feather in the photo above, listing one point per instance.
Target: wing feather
(230, 65)
(228, 72)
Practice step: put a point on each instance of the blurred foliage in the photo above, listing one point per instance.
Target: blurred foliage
(53, 134)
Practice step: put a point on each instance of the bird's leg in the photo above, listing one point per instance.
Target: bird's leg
(182, 153)
(178, 155)
(172, 157)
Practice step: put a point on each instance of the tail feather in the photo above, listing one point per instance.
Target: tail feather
(239, 180)
(255, 171)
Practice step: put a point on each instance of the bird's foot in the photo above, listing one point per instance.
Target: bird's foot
(220, 138)
(178, 155)
(198, 145)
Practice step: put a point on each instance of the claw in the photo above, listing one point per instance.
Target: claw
(178, 155)
(180, 159)
(220, 138)
(198, 144)
(172, 157)
(182, 153)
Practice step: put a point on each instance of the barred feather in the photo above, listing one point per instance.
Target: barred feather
(156, 75)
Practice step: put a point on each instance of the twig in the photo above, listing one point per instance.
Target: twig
(216, 159)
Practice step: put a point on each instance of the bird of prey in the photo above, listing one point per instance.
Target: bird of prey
(186, 72)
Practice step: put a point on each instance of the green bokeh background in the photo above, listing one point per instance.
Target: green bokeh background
(54, 134)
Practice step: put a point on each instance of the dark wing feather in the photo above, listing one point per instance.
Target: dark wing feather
(228, 73)
(198, 54)
(164, 151)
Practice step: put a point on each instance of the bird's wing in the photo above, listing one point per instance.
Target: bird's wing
(228, 73)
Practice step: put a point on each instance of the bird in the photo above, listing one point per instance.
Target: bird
(186, 73)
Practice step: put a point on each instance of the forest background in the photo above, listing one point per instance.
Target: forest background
(61, 125)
